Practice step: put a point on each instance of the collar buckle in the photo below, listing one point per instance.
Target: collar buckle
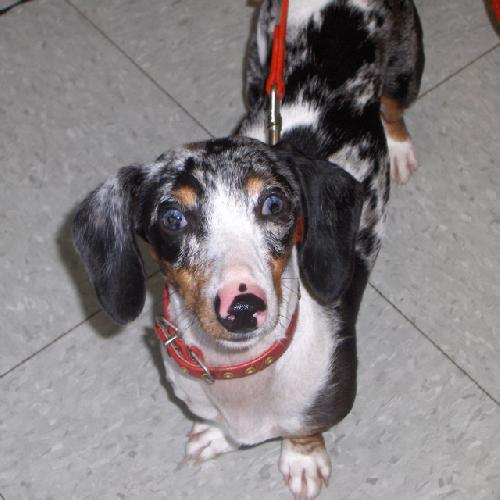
(207, 377)
(170, 335)
(164, 324)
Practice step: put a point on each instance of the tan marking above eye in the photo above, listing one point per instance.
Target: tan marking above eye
(254, 185)
(186, 195)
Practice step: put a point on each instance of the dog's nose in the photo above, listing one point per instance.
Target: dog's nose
(240, 307)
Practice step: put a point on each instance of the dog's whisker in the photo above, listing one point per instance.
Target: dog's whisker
(284, 316)
(295, 292)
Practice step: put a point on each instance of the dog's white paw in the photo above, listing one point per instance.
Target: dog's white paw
(403, 161)
(304, 467)
(206, 441)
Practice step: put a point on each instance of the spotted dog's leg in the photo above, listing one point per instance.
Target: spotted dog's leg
(305, 465)
(401, 152)
(405, 60)
(206, 441)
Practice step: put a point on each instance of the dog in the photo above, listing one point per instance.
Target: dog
(268, 249)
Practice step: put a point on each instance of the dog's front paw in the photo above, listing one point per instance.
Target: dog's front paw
(305, 465)
(402, 158)
(206, 441)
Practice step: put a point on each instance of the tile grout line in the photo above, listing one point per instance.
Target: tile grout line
(53, 341)
(458, 71)
(59, 337)
(435, 344)
(138, 67)
(3, 11)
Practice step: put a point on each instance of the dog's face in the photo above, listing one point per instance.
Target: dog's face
(221, 218)
(221, 226)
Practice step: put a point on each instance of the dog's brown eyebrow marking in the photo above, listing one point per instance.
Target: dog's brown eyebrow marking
(254, 185)
(186, 195)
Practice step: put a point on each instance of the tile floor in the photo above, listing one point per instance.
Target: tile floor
(90, 85)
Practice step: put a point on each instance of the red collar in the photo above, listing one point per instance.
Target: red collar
(191, 360)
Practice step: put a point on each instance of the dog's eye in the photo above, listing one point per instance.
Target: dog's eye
(173, 220)
(273, 205)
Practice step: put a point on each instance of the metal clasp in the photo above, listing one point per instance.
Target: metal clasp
(274, 118)
(165, 324)
(161, 320)
(208, 376)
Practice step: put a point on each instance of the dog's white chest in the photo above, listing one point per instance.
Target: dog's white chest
(270, 403)
(254, 409)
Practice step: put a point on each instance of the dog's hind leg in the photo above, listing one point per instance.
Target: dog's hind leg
(401, 151)
(403, 73)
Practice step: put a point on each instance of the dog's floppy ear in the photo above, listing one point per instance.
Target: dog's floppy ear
(103, 234)
(331, 202)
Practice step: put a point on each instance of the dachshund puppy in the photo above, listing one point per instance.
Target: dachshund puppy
(266, 251)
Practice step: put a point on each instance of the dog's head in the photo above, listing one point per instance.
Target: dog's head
(221, 218)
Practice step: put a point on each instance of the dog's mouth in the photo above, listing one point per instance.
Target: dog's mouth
(244, 323)
(238, 340)
(231, 342)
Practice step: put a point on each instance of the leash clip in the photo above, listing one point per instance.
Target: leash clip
(274, 117)
(275, 84)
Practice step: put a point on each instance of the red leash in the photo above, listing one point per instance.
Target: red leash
(276, 73)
